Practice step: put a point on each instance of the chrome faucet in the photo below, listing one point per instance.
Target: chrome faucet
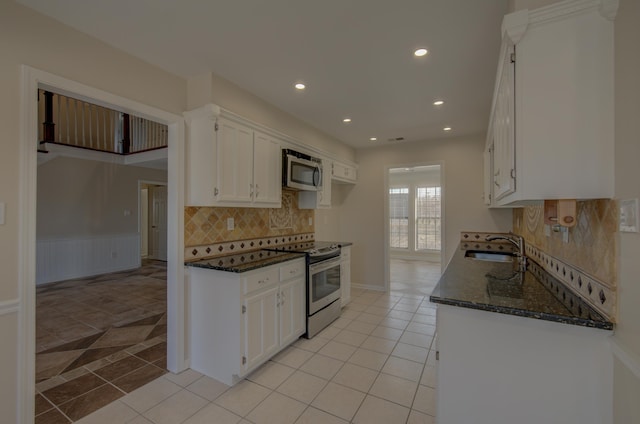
(518, 242)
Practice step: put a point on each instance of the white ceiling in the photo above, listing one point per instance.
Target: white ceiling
(355, 56)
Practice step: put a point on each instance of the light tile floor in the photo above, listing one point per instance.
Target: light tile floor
(376, 364)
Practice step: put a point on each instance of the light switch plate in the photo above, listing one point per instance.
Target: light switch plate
(230, 224)
(1, 213)
(629, 215)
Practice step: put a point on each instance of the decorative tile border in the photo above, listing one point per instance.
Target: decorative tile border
(593, 291)
(241, 246)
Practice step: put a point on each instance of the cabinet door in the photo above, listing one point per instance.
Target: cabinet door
(345, 173)
(235, 162)
(292, 311)
(487, 174)
(267, 174)
(324, 195)
(504, 182)
(260, 327)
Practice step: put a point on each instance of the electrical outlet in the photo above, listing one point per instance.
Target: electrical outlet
(310, 221)
(629, 215)
(547, 230)
(230, 224)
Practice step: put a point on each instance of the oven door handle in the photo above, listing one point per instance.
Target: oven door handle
(321, 266)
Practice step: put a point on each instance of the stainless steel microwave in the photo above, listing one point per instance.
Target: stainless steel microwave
(301, 171)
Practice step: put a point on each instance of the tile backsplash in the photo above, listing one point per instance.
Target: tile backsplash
(592, 241)
(208, 225)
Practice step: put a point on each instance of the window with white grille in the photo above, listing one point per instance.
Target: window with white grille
(428, 218)
(399, 217)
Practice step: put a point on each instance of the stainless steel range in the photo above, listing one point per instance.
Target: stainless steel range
(323, 282)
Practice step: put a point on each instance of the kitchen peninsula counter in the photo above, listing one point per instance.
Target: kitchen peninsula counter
(506, 353)
(498, 287)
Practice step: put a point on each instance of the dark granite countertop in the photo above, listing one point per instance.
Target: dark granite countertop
(247, 261)
(498, 287)
(339, 243)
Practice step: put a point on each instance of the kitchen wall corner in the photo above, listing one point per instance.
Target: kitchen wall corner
(592, 242)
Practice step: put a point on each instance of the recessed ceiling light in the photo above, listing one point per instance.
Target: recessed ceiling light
(300, 86)
(447, 128)
(346, 120)
(373, 139)
(438, 102)
(420, 52)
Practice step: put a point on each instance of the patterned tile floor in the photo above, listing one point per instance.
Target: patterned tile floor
(98, 339)
(376, 364)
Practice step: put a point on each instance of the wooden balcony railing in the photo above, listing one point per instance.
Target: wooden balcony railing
(77, 123)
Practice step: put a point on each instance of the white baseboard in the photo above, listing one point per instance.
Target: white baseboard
(64, 259)
(367, 287)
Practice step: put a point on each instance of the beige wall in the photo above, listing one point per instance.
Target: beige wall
(82, 197)
(211, 88)
(363, 207)
(32, 39)
(627, 111)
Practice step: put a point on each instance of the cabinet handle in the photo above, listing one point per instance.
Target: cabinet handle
(263, 281)
(283, 297)
(250, 190)
(497, 183)
(215, 191)
(257, 191)
(495, 174)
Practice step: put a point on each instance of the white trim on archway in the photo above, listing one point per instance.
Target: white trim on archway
(32, 79)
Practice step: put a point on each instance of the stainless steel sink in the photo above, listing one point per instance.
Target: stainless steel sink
(489, 256)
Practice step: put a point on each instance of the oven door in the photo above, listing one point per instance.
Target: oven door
(324, 284)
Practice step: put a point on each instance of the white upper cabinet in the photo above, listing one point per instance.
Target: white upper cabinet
(343, 173)
(234, 157)
(551, 128)
(230, 163)
(267, 171)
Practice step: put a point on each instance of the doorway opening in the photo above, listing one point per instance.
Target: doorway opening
(171, 317)
(414, 227)
(153, 220)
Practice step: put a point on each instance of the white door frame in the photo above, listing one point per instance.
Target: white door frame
(140, 184)
(32, 79)
(387, 248)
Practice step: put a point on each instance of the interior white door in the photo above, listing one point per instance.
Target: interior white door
(158, 233)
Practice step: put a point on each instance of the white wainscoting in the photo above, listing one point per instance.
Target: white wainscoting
(64, 259)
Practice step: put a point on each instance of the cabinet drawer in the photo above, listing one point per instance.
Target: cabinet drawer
(292, 270)
(261, 280)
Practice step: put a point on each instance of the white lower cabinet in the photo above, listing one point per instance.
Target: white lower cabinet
(292, 311)
(345, 275)
(497, 368)
(240, 320)
(260, 327)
